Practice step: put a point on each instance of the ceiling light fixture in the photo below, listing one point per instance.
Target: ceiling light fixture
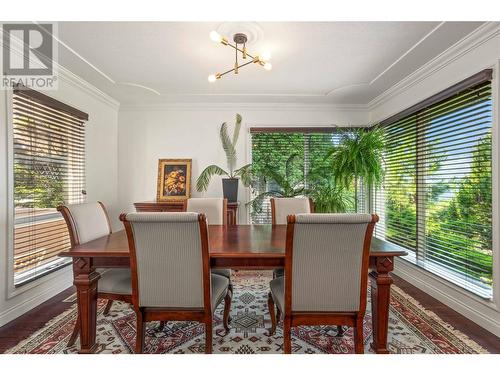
(239, 39)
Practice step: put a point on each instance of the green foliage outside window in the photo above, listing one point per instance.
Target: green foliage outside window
(40, 187)
(455, 225)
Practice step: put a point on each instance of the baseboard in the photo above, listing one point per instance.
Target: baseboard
(480, 312)
(46, 292)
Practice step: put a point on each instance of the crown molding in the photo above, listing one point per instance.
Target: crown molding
(218, 106)
(69, 77)
(470, 42)
(393, 64)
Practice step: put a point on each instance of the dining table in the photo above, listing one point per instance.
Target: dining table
(239, 247)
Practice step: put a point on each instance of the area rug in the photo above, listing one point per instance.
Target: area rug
(412, 329)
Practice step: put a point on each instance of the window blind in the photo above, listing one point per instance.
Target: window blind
(436, 200)
(48, 169)
(274, 147)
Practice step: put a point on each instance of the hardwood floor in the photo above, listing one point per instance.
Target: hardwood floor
(25, 325)
(22, 327)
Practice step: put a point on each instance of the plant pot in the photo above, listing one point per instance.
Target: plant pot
(230, 189)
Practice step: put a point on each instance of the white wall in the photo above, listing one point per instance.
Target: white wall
(479, 51)
(192, 131)
(101, 175)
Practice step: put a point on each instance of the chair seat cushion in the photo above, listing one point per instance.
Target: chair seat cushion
(115, 281)
(278, 292)
(226, 272)
(220, 285)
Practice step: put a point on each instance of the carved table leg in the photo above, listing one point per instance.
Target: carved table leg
(85, 280)
(380, 294)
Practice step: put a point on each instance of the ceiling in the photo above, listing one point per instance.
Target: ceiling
(345, 63)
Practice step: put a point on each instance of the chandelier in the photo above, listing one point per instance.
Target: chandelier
(239, 47)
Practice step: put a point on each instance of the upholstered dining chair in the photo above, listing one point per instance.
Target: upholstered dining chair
(86, 222)
(314, 290)
(171, 278)
(215, 210)
(281, 208)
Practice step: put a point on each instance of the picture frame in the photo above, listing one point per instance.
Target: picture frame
(174, 179)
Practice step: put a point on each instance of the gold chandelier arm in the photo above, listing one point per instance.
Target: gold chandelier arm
(239, 49)
(238, 67)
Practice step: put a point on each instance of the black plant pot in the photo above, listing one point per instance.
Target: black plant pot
(230, 189)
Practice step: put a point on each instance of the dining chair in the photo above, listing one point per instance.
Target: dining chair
(281, 208)
(171, 278)
(314, 290)
(86, 222)
(215, 210)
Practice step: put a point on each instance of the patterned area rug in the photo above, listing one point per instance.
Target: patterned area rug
(412, 329)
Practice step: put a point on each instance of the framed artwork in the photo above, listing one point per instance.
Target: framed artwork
(174, 179)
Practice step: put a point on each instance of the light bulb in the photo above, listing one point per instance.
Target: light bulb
(265, 56)
(268, 66)
(215, 36)
(212, 78)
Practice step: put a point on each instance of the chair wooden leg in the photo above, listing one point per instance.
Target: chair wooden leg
(278, 315)
(227, 309)
(287, 335)
(358, 337)
(208, 336)
(108, 307)
(76, 332)
(270, 306)
(139, 337)
(161, 325)
(232, 294)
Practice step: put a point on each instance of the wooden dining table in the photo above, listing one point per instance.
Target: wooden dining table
(237, 247)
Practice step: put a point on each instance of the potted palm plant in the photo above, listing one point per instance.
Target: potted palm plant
(291, 182)
(359, 157)
(286, 184)
(233, 175)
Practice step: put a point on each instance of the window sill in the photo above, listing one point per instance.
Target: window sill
(62, 277)
(27, 279)
(444, 274)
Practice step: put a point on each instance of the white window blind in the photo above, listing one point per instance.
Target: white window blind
(49, 169)
(436, 200)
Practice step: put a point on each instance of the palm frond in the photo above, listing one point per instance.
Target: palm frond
(204, 180)
(228, 147)
(256, 202)
(237, 127)
(269, 172)
(245, 174)
(289, 164)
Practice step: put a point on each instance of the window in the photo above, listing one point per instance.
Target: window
(49, 169)
(436, 200)
(296, 161)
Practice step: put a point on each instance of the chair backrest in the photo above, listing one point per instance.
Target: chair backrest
(168, 259)
(282, 207)
(215, 209)
(326, 264)
(85, 221)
